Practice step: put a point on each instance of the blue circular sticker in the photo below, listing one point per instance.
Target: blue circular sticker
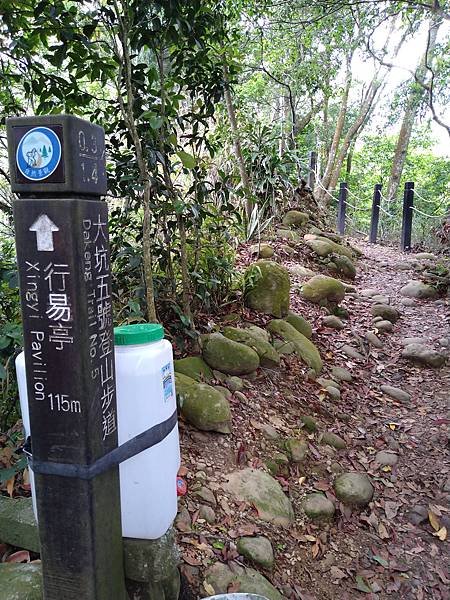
(38, 153)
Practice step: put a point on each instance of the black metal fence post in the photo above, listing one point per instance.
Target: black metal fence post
(375, 213)
(408, 203)
(343, 193)
(311, 180)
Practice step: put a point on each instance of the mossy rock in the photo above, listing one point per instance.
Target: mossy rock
(202, 405)
(194, 367)
(288, 234)
(232, 358)
(300, 324)
(344, 266)
(20, 581)
(268, 356)
(270, 292)
(331, 439)
(354, 489)
(323, 290)
(389, 313)
(297, 449)
(309, 423)
(257, 549)
(318, 507)
(295, 218)
(262, 250)
(220, 577)
(304, 348)
(327, 247)
(258, 332)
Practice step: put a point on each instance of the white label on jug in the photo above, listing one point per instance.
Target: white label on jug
(167, 382)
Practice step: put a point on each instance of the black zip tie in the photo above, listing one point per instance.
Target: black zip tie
(143, 441)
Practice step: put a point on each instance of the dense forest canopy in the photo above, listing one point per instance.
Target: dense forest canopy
(211, 111)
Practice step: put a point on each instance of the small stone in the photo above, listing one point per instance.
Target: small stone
(224, 391)
(389, 313)
(341, 374)
(395, 393)
(373, 339)
(318, 507)
(407, 301)
(377, 320)
(235, 384)
(262, 250)
(257, 549)
(183, 521)
(354, 489)
(259, 488)
(386, 458)
(240, 396)
(352, 352)
(424, 356)
(384, 326)
(412, 340)
(331, 439)
(221, 576)
(207, 495)
(418, 514)
(280, 458)
(324, 382)
(333, 322)
(269, 432)
(418, 289)
(283, 347)
(333, 392)
(368, 292)
(287, 249)
(309, 423)
(380, 299)
(207, 513)
(446, 487)
(297, 449)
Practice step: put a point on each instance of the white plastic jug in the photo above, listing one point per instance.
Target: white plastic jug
(145, 397)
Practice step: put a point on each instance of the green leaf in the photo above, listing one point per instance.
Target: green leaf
(6, 474)
(219, 545)
(362, 585)
(2, 372)
(380, 560)
(188, 160)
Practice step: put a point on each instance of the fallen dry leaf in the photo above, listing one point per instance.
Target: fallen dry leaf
(434, 521)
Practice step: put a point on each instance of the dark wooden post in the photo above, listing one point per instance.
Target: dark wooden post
(375, 213)
(342, 206)
(311, 180)
(408, 203)
(57, 166)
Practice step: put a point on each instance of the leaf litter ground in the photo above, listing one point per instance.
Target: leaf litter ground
(397, 547)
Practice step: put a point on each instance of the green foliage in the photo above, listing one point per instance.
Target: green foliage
(10, 333)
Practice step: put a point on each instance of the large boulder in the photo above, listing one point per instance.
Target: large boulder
(264, 492)
(269, 289)
(388, 313)
(227, 356)
(268, 356)
(304, 348)
(424, 356)
(202, 405)
(295, 218)
(220, 577)
(194, 367)
(300, 324)
(418, 289)
(354, 489)
(323, 290)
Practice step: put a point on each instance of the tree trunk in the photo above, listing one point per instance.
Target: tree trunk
(237, 145)
(319, 192)
(415, 98)
(128, 115)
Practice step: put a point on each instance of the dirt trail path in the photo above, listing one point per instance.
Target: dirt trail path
(397, 547)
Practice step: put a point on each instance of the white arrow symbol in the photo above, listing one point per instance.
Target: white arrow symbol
(44, 228)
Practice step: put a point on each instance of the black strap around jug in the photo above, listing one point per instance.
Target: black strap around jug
(147, 439)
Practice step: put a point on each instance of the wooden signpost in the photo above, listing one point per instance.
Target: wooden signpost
(57, 166)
